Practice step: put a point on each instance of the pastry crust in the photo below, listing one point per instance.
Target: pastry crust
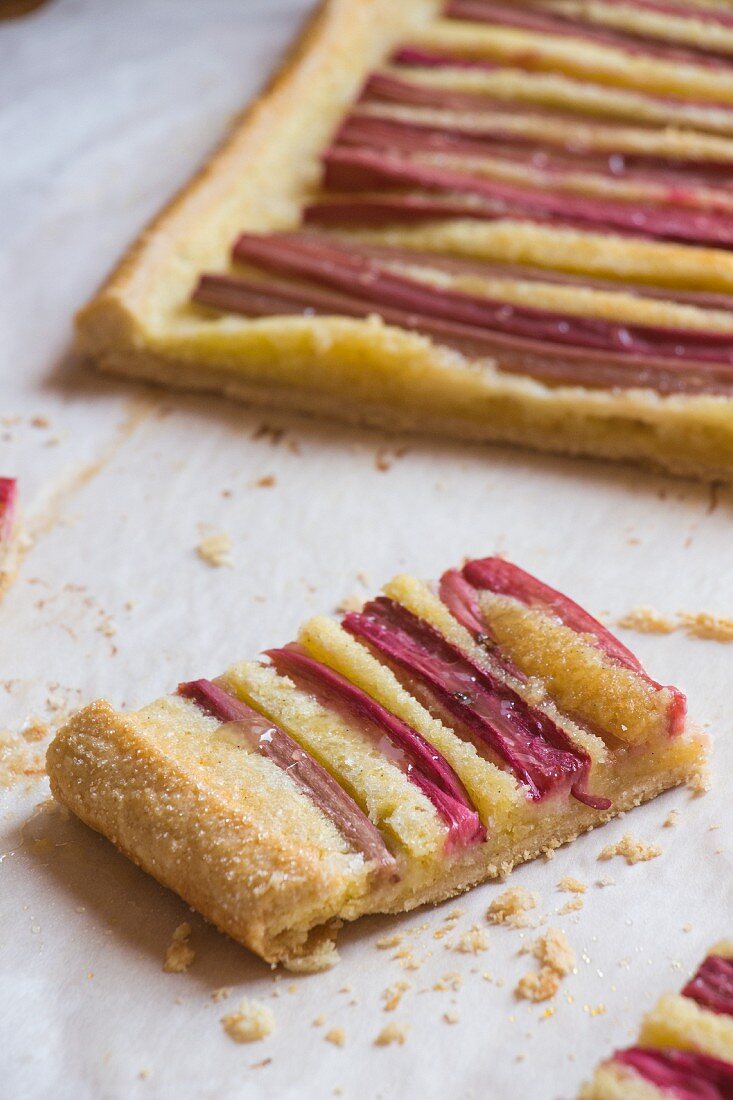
(142, 323)
(213, 811)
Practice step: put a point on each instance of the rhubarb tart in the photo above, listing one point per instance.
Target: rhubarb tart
(8, 531)
(432, 740)
(685, 1048)
(495, 220)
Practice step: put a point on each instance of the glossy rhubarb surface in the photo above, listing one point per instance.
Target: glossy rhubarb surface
(506, 579)
(405, 747)
(260, 735)
(682, 1074)
(712, 985)
(489, 712)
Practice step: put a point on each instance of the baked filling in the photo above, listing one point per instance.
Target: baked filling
(8, 509)
(493, 221)
(600, 120)
(432, 740)
(685, 1047)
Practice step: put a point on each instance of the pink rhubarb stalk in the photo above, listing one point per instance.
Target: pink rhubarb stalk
(712, 986)
(505, 579)
(267, 739)
(680, 1074)
(418, 759)
(524, 738)
(8, 501)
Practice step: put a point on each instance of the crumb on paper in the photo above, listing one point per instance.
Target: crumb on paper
(251, 1021)
(556, 958)
(473, 942)
(266, 482)
(18, 761)
(571, 885)
(392, 940)
(179, 954)
(394, 994)
(645, 620)
(450, 982)
(671, 819)
(323, 956)
(319, 1021)
(392, 1033)
(336, 1035)
(512, 907)
(632, 850)
(572, 905)
(451, 1016)
(706, 626)
(216, 550)
(221, 994)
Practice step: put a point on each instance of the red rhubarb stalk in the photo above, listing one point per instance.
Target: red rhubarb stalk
(267, 739)
(681, 1074)
(523, 17)
(542, 360)
(522, 737)
(365, 169)
(418, 759)
(505, 579)
(8, 500)
(712, 986)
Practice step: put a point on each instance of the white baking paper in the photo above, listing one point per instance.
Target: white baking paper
(106, 108)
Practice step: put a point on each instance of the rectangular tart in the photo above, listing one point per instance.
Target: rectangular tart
(430, 741)
(491, 220)
(685, 1047)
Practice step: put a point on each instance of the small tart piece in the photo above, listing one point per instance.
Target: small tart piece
(685, 1045)
(392, 759)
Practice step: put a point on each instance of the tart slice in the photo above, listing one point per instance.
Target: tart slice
(685, 1048)
(430, 741)
(489, 219)
(8, 531)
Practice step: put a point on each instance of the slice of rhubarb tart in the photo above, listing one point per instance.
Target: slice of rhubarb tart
(432, 740)
(500, 220)
(685, 1047)
(8, 531)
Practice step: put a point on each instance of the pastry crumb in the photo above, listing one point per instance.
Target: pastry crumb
(319, 1021)
(556, 958)
(512, 907)
(336, 1035)
(572, 885)
(221, 994)
(350, 603)
(572, 906)
(266, 482)
(392, 1033)
(632, 850)
(645, 620)
(252, 1021)
(451, 1016)
(216, 550)
(394, 994)
(706, 626)
(473, 942)
(393, 940)
(179, 954)
(671, 819)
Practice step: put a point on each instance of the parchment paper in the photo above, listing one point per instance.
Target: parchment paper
(107, 108)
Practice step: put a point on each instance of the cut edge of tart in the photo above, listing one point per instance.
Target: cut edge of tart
(580, 303)
(685, 1045)
(394, 758)
(8, 532)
